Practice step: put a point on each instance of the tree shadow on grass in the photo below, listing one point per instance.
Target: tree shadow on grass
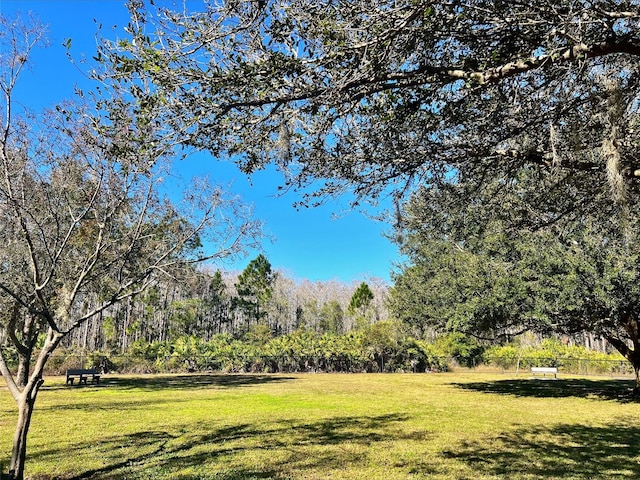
(190, 381)
(184, 382)
(561, 451)
(167, 454)
(619, 390)
(578, 452)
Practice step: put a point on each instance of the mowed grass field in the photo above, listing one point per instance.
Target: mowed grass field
(331, 426)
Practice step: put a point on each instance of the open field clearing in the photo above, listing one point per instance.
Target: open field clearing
(330, 426)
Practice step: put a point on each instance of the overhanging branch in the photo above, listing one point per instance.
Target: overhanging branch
(571, 54)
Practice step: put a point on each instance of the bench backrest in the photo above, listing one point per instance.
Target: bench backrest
(91, 371)
(544, 369)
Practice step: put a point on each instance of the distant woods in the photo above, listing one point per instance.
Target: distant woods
(259, 301)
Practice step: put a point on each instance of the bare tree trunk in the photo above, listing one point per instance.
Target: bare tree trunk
(25, 399)
(26, 403)
(85, 336)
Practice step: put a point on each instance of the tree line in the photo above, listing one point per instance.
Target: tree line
(207, 303)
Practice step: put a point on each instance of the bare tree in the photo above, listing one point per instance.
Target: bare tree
(86, 224)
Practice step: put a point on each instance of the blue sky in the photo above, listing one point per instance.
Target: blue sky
(307, 244)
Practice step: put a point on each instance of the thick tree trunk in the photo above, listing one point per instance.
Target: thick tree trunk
(632, 354)
(25, 410)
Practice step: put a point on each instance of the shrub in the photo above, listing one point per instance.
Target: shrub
(462, 348)
(552, 353)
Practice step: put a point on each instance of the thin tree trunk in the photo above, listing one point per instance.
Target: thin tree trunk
(25, 399)
(85, 336)
(26, 404)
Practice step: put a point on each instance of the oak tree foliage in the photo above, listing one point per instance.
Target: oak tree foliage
(482, 274)
(380, 96)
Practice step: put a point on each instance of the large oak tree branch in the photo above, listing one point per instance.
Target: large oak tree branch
(428, 74)
(572, 54)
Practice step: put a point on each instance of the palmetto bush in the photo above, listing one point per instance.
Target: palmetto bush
(373, 349)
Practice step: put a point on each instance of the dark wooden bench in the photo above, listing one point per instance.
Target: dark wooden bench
(83, 375)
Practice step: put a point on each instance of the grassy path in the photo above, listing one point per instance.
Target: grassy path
(440, 426)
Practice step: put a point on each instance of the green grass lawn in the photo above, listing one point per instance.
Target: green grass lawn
(326, 426)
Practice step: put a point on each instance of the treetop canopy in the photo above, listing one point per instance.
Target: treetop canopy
(379, 96)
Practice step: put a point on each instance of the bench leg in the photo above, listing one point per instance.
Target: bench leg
(70, 381)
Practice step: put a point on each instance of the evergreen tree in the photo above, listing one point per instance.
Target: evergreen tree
(255, 289)
(360, 303)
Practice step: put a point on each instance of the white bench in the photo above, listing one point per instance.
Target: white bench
(544, 371)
